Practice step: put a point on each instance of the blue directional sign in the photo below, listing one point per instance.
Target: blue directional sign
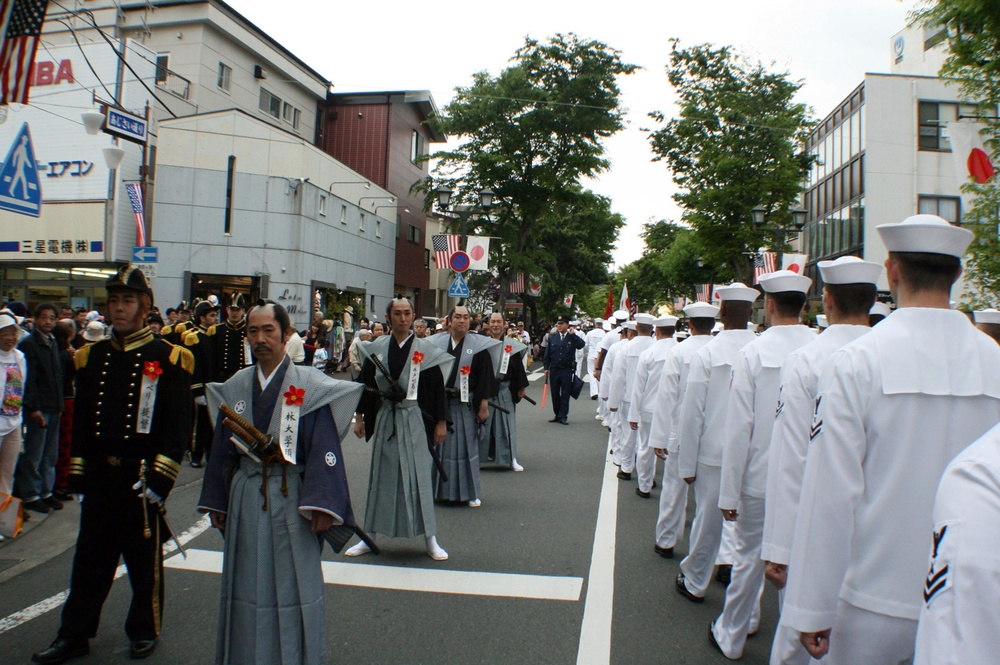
(20, 188)
(145, 254)
(458, 288)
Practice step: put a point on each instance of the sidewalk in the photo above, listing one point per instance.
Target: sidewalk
(56, 534)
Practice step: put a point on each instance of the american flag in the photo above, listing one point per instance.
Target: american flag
(703, 293)
(17, 57)
(135, 196)
(763, 263)
(517, 283)
(444, 247)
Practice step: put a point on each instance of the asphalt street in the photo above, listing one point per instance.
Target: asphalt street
(557, 566)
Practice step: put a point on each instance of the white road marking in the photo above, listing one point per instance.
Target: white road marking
(468, 583)
(595, 633)
(53, 602)
(536, 375)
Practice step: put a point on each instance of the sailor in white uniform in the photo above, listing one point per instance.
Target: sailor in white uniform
(612, 325)
(619, 393)
(702, 434)
(611, 359)
(643, 396)
(593, 339)
(894, 408)
(988, 320)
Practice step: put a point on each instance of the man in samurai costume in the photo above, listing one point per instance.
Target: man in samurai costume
(499, 441)
(275, 500)
(410, 415)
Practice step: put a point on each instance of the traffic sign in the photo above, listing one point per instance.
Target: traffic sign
(20, 188)
(458, 288)
(459, 262)
(131, 127)
(145, 254)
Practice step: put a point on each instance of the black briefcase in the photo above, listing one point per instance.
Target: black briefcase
(577, 387)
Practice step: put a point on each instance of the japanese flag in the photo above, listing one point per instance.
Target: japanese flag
(794, 262)
(478, 249)
(568, 300)
(534, 286)
(972, 159)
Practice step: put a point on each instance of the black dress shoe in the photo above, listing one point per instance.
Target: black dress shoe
(683, 590)
(564, 422)
(711, 638)
(142, 649)
(644, 495)
(195, 465)
(38, 506)
(665, 552)
(61, 650)
(624, 475)
(593, 397)
(724, 574)
(53, 503)
(554, 420)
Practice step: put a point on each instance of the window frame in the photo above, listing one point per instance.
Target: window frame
(224, 78)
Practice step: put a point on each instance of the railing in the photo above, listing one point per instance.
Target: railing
(173, 83)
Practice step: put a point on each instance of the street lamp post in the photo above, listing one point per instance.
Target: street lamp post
(798, 221)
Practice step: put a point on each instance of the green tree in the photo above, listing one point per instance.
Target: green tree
(972, 28)
(531, 134)
(734, 145)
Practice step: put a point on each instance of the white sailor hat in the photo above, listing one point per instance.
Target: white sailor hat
(629, 325)
(990, 315)
(621, 315)
(598, 322)
(607, 326)
(737, 291)
(701, 310)
(781, 281)
(751, 325)
(644, 318)
(718, 327)
(574, 322)
(822, 321)
(925, 233)
(849, 270)
(665, 321)
(880, 309)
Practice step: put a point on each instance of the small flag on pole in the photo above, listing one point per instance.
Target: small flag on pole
(444, 247)
(517, 283)
(610, 307)
(478, 249)
(135, 196)
(703, 293)
(764, 263)
(17, 57)
(623, 302)
(568, 300)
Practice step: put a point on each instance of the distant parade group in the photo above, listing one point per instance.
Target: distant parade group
(856, 470)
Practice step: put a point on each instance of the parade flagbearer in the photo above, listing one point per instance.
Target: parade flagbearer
(560, 367)
(753, 399)
(130, 430)
(702, 434)
(849, 289)
(499, 441)
(666, 421)
(896, 406)
(232, 351)
(643, 399)
(469, 387)
(411, 415)
(272, 507)
(200, 340)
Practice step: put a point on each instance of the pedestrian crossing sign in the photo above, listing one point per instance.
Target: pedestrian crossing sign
(20, 187)
(459, 289)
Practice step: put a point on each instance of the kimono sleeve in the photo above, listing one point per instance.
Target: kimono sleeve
(215, 486)
(324, 483)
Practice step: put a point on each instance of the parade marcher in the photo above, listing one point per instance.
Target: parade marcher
(271, 510)
(611, 361)
(619, 393)
(560, 367)
(411, 415)
(958, 618)
(155, 323)
(200, 340)
(174, 332)
(753, 399)
(593, 339)
(130, 425)
(701, 435)
(988, 320)
(643, 399)
(878, 312)
(232, 351)
(893, 410)
(574, 327)
(469, 386)
(849, 289)
(663, 435)
(499, 442)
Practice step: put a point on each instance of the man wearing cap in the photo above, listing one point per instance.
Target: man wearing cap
(894, 408)
(624, 333)
(879, 311)
(174, 333)
(988, 320)
(612, 324)
(753, 398)
(620, 391)
(200, 340)
(559, 360)
(133, 408)
(643, 399)
(593, 339)
(702, 435)
(232, 352)
(849, 289)
(663, 435)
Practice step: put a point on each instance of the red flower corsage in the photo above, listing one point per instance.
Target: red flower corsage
(152, 369)
(508, 348)
(417, 357)
(466, 370)
(294, 396)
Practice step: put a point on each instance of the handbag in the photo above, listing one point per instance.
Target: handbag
(11, 516)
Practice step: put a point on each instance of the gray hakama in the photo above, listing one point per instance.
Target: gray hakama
(460, 456)
(499, 443)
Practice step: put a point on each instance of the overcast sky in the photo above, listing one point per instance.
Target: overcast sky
(394, 45)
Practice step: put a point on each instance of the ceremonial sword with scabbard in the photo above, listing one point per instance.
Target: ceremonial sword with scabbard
(161, 509)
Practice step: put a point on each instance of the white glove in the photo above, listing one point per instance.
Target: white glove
(200, 401)
(151, 496)
(77, 497)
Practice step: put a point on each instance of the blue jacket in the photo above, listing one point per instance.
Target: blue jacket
(561, 354)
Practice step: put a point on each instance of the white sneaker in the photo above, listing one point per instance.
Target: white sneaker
(434, 550)
(358, 550)
(516, 466)
(475, 503)
(597, 417)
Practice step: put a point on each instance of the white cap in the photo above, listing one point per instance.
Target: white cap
(598, 322)
(629, 325)
(737, 291)
(607, 326)
(621, 315)
(849, 270)
(718, 327)
(665, 321)
(574, 322)
(751, 325)
(821, 320)
(925, 233)
(701, 310)
(880, 309)
(990, 315)
(93, 316)
(681, 334)
(781, 281)
(7, 319)
(94, 332)
(644, 318)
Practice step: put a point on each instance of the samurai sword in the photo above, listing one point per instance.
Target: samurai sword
(529, 400)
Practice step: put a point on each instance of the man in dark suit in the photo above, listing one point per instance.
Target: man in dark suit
(560, 366)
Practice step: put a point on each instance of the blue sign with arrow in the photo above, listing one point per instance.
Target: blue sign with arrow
(20, 187)
(145, 254)
(458, 288)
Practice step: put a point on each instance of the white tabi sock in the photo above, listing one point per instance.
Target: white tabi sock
(360, 548)
(434, 550)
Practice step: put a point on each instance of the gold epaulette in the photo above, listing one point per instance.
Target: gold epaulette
(81, 356)
(211, 331)
(166, 330)
(190, 338)
(182, 357)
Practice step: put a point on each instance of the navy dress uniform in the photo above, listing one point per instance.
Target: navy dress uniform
(560, 362)
(200, 340)
(231, 350)
(132, 412)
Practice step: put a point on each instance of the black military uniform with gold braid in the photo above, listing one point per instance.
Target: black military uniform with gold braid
(231, 352)
(200, 340)
(174, 333)
(132, 418)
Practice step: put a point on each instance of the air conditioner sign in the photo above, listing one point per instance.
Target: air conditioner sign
(127, 126)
